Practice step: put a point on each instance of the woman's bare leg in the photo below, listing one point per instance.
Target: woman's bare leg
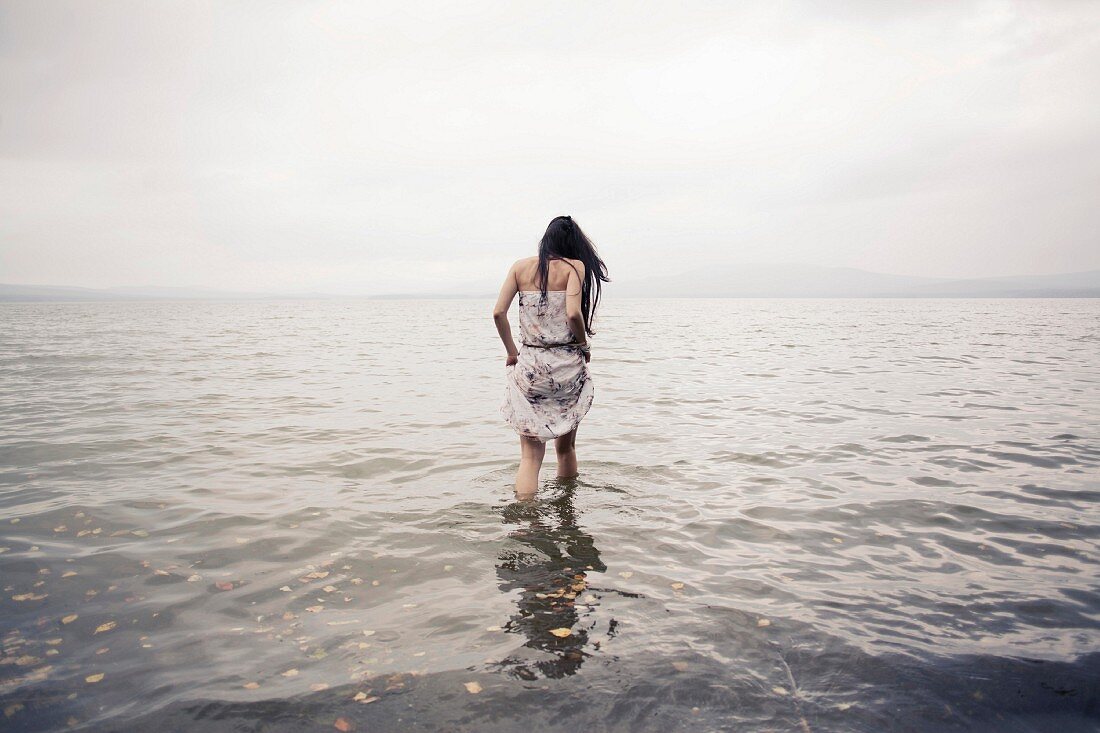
(566, 446)
(530, 461)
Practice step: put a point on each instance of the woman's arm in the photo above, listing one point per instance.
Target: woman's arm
(573, 312)
(500, 314)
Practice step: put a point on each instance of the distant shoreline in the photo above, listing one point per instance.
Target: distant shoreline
(769, 281)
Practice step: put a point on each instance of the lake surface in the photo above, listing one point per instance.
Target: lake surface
(793, 515)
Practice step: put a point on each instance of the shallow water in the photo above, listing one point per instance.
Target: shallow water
(813, 515)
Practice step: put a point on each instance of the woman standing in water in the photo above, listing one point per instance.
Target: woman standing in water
(549, 389)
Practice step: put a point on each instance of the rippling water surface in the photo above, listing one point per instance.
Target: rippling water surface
(800, 515)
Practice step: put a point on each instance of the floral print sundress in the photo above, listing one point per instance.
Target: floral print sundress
(548, 389)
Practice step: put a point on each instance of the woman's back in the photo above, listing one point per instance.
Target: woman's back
(527, 273)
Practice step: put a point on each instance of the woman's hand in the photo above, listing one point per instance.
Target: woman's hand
(511, 359)
(587, 356)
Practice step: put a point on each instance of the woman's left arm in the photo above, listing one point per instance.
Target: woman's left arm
(500, 314)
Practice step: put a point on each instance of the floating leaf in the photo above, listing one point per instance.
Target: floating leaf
(493, 628)
(561, 633)
(194, 578)
(780, 691)
(251, 685)
(105, 627)
(68, 574)
(29, 597)
(223, 585)
(677, 586)
(329, 589)
(139, 533)
(93, 678)
(69, 619)
(290, 673)
(473, 688)
(626, 573)
(315, 609)
(763, 622)
(286, 589)
(319, 686)
(343, 724)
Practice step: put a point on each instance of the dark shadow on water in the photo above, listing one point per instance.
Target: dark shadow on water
(549, 561)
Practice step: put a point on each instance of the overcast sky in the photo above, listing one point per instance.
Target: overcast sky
(364, 147)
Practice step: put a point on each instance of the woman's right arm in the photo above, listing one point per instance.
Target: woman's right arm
(573, 312)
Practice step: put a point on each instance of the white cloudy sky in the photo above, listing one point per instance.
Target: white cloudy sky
(367, 147)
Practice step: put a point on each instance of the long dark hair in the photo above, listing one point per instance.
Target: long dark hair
(565, 240)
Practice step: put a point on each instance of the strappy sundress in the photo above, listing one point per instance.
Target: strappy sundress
(548, 389)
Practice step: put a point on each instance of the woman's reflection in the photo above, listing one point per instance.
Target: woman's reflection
(550, 567)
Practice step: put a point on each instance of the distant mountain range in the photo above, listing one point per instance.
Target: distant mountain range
(809, 281)
(744, 281)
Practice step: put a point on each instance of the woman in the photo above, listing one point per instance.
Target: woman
(548, 386)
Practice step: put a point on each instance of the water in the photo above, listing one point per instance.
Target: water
(800, 515)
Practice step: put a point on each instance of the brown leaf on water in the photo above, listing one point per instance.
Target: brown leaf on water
(681, 666)
(626, 574)
(578, 587)
(329, 589)
(677, 586)
(286, 589)
(105, 627)
(763, 622)
(315, 575)
(93, 678)
(315, 609)
(29, 597)
(194, 578)
(68, 574)
(251, 685)
(290, 673)
(561, 633)
(472, 687)
(12, 709)
(69, 619)
(60, 528)
(344, 725)
(223, 585)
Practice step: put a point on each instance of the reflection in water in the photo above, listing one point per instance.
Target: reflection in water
(550, 568)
